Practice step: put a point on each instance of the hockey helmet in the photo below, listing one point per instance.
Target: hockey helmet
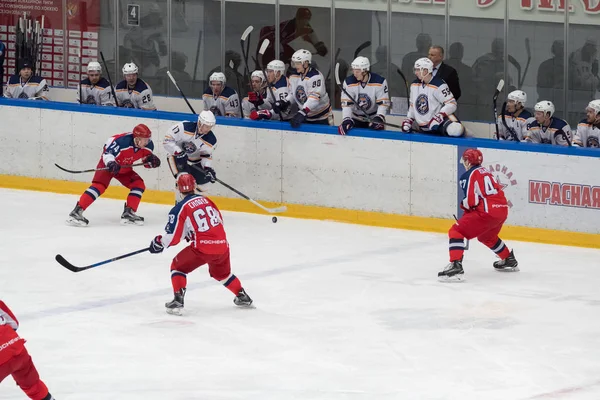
(276, 65)
(130, 68)
(424, 64)
(472, 156)
(142, 131)
(186, 183)
(594, 105)
(361, 63)
(518, 96)
(301, 56)
(258, 74)
(207, 118)
(94, 66)
(546, 107)
(218, 77)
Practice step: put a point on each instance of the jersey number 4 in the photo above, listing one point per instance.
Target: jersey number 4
(206, 220)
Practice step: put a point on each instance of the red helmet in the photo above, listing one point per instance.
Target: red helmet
(186, 183)
(142, 131)
(473, 156)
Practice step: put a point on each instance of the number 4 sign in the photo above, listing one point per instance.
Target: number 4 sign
(133, 15)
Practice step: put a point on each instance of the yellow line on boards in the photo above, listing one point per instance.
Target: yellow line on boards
(370, 218)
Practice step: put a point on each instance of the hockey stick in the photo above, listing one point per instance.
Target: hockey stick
(564, 135)
(495, 98)
(197, 53)
(181, 92)
(95, 169)
(112, 87)
(528, 49)
(261, 52)
(367, 116)
(61, 260)
(256, 203)
(510, 130)
(467, 240)
(407, 87)
(245, 40)
(516, 64)
(337, 54)
(361, 48)
(237, 79)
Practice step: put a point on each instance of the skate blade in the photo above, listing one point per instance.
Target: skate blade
(175, 311)
(451, 279)
(75, 222)
(128, 222)
(515, 269)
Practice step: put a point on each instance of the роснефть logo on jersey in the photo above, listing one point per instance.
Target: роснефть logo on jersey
(564, 194)
(504, 177)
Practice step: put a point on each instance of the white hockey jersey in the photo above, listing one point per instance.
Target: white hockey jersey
(228, 102)
(309, 93)
(182, 137)
(372, 96)
(552, 134)
(33, 88)
(516, 125)
(140, 96)
(587, 135)
(248, 107)
(280, 91)
(428, 100)
(99, 94)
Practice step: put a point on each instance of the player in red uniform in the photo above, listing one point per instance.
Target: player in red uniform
(15, 360)
(118, 154)
(485, 210)
(197, 219)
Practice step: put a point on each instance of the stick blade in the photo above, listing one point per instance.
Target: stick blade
(263, 47)
(337, 73)
(61, 260)
(247, 32)
(276, 210)
(500, 85)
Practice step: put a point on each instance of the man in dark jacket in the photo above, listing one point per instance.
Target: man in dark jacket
(444, 71)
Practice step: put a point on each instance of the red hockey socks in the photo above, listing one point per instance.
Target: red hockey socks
(500, 249)
(178, 280)
(134, 197)
(232, 283)
(91, 194)
(456, 244)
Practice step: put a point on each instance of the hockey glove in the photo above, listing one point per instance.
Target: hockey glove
(156, 245)
(255, 99)
(280, 106)
(113, 168)
(298, 119)
(181, 162)
(437, 119)
(321, 49)
(377, 122)
(261, 114)
(152, 161)
(407, 124)
(345, 126)
(211, 174)
(215, 110)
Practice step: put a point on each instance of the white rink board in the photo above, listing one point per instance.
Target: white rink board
(294, 167)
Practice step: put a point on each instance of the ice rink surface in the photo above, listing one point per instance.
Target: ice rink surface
(342, 312)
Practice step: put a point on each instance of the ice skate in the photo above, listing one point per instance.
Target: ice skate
(129, 217)
(76, 217)
(452, 273)
(242, 299)
(509, 264)
(175, 306)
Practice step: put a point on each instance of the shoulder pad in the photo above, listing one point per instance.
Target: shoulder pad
(189, 126)
(140, 85)
(228, 92)
(350, 80)
(282, 82)
(210, 138)
(437, 81)
(86, 81)
(150, 145)
(526, 114)
(103, 83)
(36, 79)
(376, 78)
(121, 85)
(14, 79)
(312, 73)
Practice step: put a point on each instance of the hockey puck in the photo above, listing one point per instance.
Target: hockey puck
(274, 219)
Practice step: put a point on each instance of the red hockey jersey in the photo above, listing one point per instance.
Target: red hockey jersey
(121, 148)
(482, 192)
(10, 342)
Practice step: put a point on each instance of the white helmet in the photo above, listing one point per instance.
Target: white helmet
(424, 63)
(94, 66)
(302, 55)
(258, 74)
(276, 65)
(218, 76)
(545, 106)
(130, 68)
(207, 118)
(595, 105)
(518, 96)
(361, 63)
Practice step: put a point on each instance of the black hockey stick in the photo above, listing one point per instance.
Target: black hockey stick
(94, 169)
(510, 130)
(564, 135)
(367, 116)
(528, 49)
(256, 203)
(112, 87)
(361, 48)
(261, 52)
(197, 53)
(495, 98)
(407, 87)
(181, 92)
(245, 40)
(61, 260)
(467, 240)
(237, 79)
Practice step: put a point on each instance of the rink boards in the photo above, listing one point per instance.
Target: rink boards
(373, 178)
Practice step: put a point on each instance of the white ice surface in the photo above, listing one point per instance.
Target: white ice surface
(342, 312)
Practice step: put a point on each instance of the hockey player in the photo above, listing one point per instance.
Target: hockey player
(548, 129)
(515, 122)
(25, 85)
(307, 90)
(432, 104)
(220, 99)
(132, 92)
(192, 143)
(197, 219)
(256, 97)
(588, 129)
(118, 154)
(485, 210)
(15, 360)
(279, 92)
(95, 89)
(370, 91)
